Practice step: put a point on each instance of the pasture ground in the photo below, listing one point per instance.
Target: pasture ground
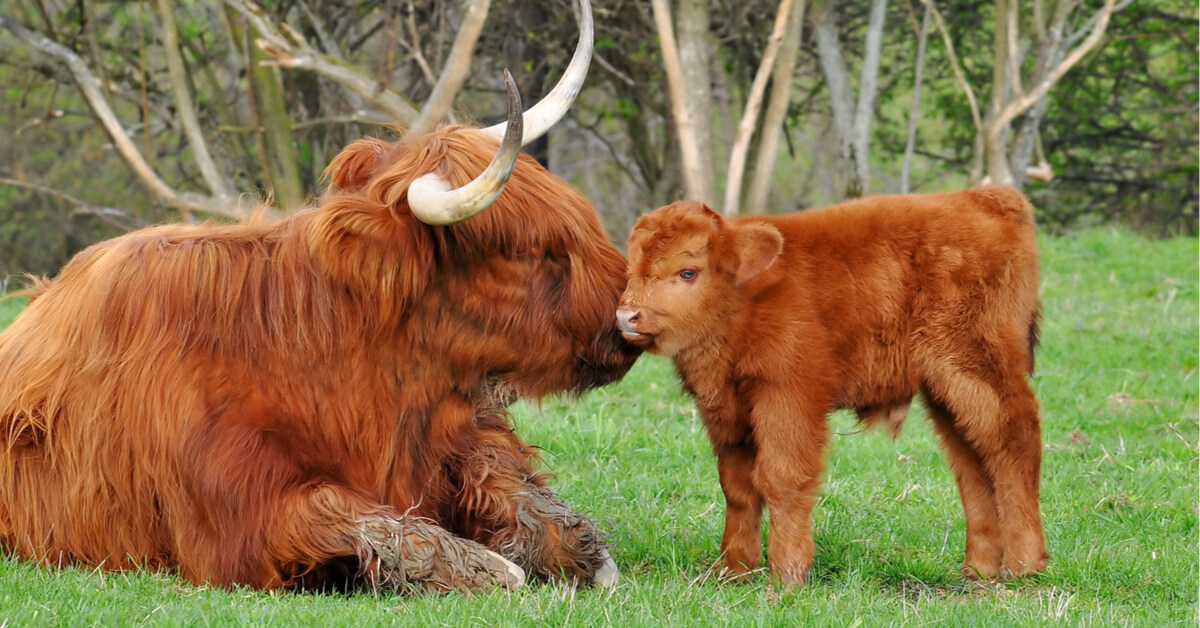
(1117, 379)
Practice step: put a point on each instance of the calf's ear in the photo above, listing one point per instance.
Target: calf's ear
(758, 245)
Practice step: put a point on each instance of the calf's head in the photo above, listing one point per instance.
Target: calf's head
(688, 273)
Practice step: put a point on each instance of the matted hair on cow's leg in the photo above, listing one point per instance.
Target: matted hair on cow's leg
(412, 554)
(506, 506)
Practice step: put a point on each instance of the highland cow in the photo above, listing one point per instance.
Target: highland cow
(319, 401)
(773, 322)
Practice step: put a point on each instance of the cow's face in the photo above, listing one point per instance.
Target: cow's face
(685, 273)
(543, 294)
(517, 299)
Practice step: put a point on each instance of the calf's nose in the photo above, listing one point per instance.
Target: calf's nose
(628, 318)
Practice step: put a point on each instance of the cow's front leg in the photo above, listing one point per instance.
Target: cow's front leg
(264, 526)
(406, 553)
(506, 506)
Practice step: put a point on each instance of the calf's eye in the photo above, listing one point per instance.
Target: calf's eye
(687, 275)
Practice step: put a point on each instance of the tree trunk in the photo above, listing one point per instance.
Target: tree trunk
(741, 143)
(695, 56)
(1010, 99)
(777, 105)
(995, 137)
(915, 109)
(852, 122)
(837, 82)
(272, 121)
(184, 107)
(868, 86)
(689, 149)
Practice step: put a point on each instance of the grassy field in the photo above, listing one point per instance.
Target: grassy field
(1117, 378)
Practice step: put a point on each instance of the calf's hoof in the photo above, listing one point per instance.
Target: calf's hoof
(1019, 568)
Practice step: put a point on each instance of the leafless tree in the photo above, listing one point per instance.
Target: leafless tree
(851, 117)
(687, 88)
(269, 43)
(1060, 40)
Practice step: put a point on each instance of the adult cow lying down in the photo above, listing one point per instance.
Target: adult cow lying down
(773, 322)
(320, 401)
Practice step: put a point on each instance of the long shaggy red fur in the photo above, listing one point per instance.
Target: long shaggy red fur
(773, 322)
(235, 401)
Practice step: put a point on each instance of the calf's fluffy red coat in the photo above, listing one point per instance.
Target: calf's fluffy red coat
(773, 322)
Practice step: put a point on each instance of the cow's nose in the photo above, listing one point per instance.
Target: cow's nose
(628, 318)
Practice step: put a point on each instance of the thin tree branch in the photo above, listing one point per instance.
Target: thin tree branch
(915, 107)
(185, 108)
(1020, 105)
(1014, 53)
(777, 104)
(89, 85)
(741, 141)
(290, 50)
(1090, 23)
(415, 47)
(955, 65)
(868, 86)
(693, 168)
(455, 70)
(619, 75)
(107, 214)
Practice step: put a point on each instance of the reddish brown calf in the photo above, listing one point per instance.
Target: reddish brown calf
(773, 322)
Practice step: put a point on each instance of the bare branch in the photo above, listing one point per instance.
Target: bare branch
(107, 214)
(183, 202)
(290, 50)
(184, 107)
(415, 47)
(741, 142)
(1020, 105)
(1090, 24)
(777, 104)
(693, 169)
(454, 72)
(955, 65)
(915, 107)
(1014, 64)
(833, 65)
(327, 43)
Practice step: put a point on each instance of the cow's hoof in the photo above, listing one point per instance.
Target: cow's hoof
(607, 575)
(413, 555)
(507, 573)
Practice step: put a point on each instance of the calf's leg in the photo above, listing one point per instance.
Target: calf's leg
(984, 553)
(792, 436)
(993, 414)
(741, 543)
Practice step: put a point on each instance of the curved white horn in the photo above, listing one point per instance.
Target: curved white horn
(554, 106)
(434, 202)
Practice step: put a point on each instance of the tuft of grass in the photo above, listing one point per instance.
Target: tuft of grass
(1117, 380)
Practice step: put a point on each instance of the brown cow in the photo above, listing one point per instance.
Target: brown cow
(319, 402)
(773, 322)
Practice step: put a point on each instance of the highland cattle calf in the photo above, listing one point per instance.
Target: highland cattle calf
(319, 401)
(773, 322)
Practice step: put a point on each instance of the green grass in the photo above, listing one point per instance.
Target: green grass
(1117, 378)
